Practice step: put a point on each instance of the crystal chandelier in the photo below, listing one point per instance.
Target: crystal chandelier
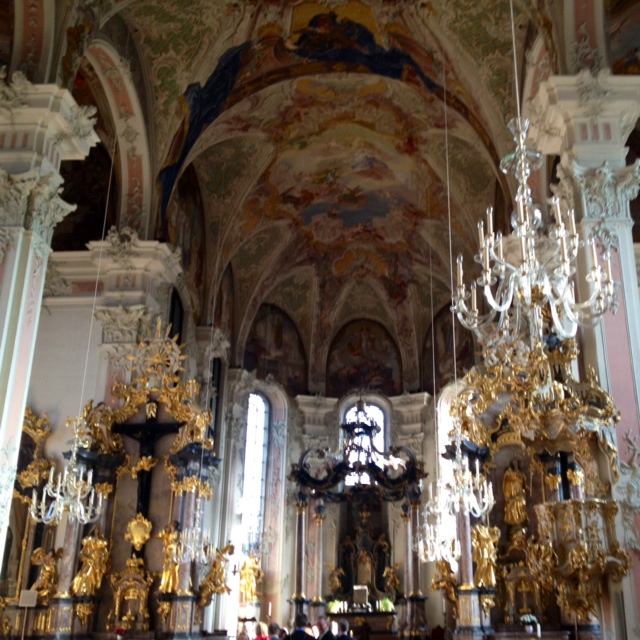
(538, 288)
(194, 543)
(434, 544)
(71, 492)
(468, 492)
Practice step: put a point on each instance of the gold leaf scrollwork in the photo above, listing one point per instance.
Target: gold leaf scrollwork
(575, 477)
(552, 481)
(146, 463)
(105, 488)
(84, 611)
(151, 410)
(163, 610)
(138, 531)
(487, 602)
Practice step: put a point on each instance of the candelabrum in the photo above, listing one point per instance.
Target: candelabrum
(71, 492)
(537, 288)
(468, 491)
(194, 543)
(434, 544)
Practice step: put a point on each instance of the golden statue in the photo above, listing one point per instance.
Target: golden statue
(444, 580)
(335, 582)
(171, 565)
(485, 554)
(215, 581)
(515, 496)
(393, 581)
(94, 557)
(46, 583)
(250, 575)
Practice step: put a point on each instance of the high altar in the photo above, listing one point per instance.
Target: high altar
(360, 481)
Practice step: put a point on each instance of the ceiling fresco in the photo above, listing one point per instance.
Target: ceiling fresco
(338, 155)
(319, 145)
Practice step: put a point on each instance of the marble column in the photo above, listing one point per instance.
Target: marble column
(299, 598)
(552, 479)
(46, 128)
(416, 600)
(318, 603)
(61, 605)
(469, 621)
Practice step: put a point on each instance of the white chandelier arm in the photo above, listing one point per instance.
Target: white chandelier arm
(504, 306)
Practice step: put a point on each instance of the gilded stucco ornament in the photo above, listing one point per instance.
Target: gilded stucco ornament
(130, 597)
(146, 463)
(545, 407)
(156, 383)
(138, 531)
(39, 430)
(94, 430)
(444, 579)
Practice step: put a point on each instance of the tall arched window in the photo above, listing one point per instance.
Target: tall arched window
(255, 464)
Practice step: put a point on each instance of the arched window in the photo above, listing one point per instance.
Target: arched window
(364, 443)
(255, 464)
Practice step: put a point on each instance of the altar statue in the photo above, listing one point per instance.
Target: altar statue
(215, 581)
(445, 580)
(485, 554)
(393, 581)
(94, 557)
(335, 578)
(46, 583)
(170, 565)
(515, 496)
(250, 575)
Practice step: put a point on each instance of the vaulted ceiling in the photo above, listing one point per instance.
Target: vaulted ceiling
(331, 156)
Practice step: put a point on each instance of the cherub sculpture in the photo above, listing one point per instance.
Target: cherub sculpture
(215, 581)
(46, 583)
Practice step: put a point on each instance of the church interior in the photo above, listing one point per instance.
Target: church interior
(319, 306)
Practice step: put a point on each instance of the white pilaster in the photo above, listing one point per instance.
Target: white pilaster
(39, 127)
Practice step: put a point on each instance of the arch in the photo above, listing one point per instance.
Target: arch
(185, 230)
(442, 352)
(275, 507)
(274, 347)
(126, 111)
(33, 39)
(347, 402)
(363, 354)
(223, 315)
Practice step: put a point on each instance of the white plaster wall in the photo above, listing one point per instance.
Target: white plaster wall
(58, 368)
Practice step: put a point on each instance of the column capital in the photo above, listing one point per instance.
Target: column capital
(603, 192)
(587, 115)
(41, 125)
(32, 201)
(120, 324)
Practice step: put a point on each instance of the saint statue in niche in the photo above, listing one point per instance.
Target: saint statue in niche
(365, 570)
